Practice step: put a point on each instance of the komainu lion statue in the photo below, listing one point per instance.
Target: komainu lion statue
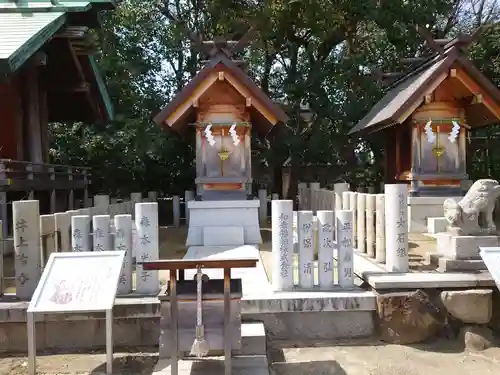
(473, 214)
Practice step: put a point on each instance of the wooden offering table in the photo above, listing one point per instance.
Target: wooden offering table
(180, 313)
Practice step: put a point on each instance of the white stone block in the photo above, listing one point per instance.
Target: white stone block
(136, 197)
(305, 235)
(80, 233)
(343, 228)
(123, 242)
(223, 236)
(63, 225)
(396, 227)
(346, 200)
(27, 263)
(359, 217)
(101, 200)
(353, 206)
(101, 233)
(282, 244)
(243, 213)
(380, 228)
(188, 196)
(176, 206)
(339, 189)
(147, 246)
(464, 247)
(436, 225)
(326, 228)
(48, 236)
(370, 225)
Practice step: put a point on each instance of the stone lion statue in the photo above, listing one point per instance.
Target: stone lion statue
(464, 216)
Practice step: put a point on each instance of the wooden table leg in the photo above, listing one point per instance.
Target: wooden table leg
(227, 317)
(174, 355)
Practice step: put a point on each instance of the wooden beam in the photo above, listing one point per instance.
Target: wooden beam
(430, 40)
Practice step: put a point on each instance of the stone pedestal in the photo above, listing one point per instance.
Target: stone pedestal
(227, 217)
(422, 208)
(464, 247)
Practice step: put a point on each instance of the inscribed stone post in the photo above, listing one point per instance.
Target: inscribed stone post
(282, 244)
(275, 197)
(361, 221)
(354, 207)
(26, 219)
(176, 207)
(136, 197)
(188, 196)
(380, 228)
(146, 223)
(314, 187)
(339, 189)
(343, 228)
(80, 233)
(305, 239)
(262, 193)
(63, 225)
(370, 225)
(396, 227)
(325, 248)
(100, 231)
(101, 200)
(123, 242)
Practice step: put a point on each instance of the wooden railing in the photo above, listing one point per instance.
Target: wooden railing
(17, 175)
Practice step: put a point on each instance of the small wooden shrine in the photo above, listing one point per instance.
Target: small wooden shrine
(426, 116)
(47, 74)
(223, 105)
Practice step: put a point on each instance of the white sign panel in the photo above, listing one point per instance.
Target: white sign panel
(78, 281)
(491, 257)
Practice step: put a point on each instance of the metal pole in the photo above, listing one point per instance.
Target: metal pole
(109, 341)
(31, 344)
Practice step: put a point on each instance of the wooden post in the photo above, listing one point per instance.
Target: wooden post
(31, 177)
(227, 321)
(53, 198)
(176, 207)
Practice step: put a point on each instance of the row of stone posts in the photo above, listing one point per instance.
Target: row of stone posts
(86, 230)
(329, 225)
(380, 221)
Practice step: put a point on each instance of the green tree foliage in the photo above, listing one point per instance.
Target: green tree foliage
(320, 52)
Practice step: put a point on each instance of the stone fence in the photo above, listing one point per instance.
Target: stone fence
(379, 221)
(131, 226)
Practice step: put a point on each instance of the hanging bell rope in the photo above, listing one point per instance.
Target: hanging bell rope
(200, 346)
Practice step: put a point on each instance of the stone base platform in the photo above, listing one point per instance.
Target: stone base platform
(220, 223)
(290, 315)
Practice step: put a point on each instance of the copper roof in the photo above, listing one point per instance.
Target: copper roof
(413, 86)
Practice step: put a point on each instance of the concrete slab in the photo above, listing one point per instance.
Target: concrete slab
(456, 265)
(428, 280)
(252, 365)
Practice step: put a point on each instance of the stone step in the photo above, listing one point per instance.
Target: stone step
(241, 365)
(457, 265)
(253, 341)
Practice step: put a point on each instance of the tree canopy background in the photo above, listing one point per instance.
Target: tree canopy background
(318, 52)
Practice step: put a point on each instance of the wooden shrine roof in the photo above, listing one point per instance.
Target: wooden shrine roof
(30, 26)
(408, 92)
(221, 62)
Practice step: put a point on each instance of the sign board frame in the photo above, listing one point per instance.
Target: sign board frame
(486, 254)
(106, 306)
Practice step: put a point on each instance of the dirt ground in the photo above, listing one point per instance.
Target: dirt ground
(357, 357)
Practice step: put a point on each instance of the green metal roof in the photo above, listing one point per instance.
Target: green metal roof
(35, 6)
(22, 34)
